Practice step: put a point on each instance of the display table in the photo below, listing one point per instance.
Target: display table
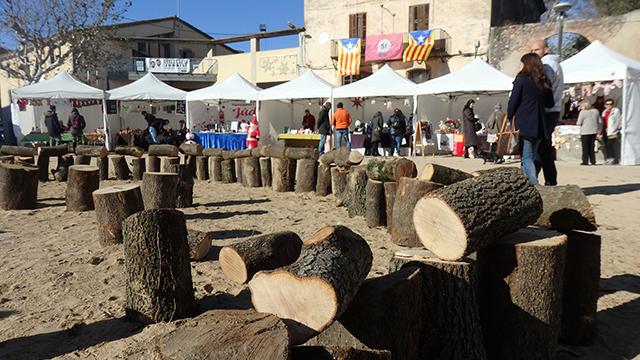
(300, 140)
(229, 141)
(44, 137)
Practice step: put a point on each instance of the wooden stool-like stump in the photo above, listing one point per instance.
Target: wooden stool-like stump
(61, 172)
(306, 170)
(323, 184)
(251, 172)
(152, 163)
(167, 161)
(228, 167)
(265, 171)
(113, 205)
(238, 168)
(103, 165)
(82, 182)
(339, 185)
(202, 173)
(120, 167)
(137, 168)
(390, 190)
(375, 211)
(18, 187)
(215, 168)
(282, 174)
(159, 190)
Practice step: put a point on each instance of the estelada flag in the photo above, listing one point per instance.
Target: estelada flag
(420, 45)
(383, 47)
(349, 56)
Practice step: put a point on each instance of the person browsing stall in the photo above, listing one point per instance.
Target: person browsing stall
(308, 121)
(341, 121)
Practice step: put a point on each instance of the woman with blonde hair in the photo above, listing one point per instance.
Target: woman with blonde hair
(590, 125)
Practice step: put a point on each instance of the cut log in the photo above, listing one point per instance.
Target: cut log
(190, 163)
(215, 168)
(390, 192)
(566, 208)
(6, 159)
(251, 172)
(386, 314)
(265, 172)
(191, 149)
(323, 183)
(306, 170)
(137, 168)
(82, 182)
(53, 151)
(199, 244)
(299, 153)
(166, 162)
(312, 292)
(18, 187)
(273, 151)
(581, 289)
(134, 151)
(202, 172)
(403, 230)
(356, 191)
(391, 170)
(238, 167)
(91, 150)
(223, 335)
(338, 353)
(466, 216)
(156, 255)
(43, 168)
(375, 209)
(451, 320)
(256, 151)
(62, 171)
(163, 150)
(184, 191)
(120, 167)
(520, 294)
(228, 171)
(17, 150)
(103, 166)
(342, 157)
(159, 190)
(243, 153)
(242, 260)
(152, 163)
(339, 185)
(282, 174)
(229, 154)
(443, 175)
(82, 160)
(24, 160)
(212, 152)
(113, 205)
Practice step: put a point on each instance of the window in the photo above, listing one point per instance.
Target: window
(419, 75)
(186, 53)
(348, 79)
(166, 50)
(142, 47)
(358, 25)
(419, 17)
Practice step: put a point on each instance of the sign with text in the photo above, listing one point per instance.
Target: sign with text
(168, 65)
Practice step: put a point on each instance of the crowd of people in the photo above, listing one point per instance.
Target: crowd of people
(55, 128)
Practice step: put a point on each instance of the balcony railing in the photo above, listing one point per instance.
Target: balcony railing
(137, 66)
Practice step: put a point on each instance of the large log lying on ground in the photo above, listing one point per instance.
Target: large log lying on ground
(152, 163)
(156, 254)
(451, 320)
(18, 187)
(312, 292)
(464, 217)
(17, 150)
(163, 150)
(265, 172)
(386, 314)
(91, 150)
(159, 190)
(103, 165)
(390, 192)
(202, 171)
(339, 178)
(273, 151)
(581, 289)
(251, 172)
(565, 208)
(520, 294)
(356, 191)
(135, 151)
(442, 174)
(83, 180)
(323, 181)
(199, 244)
(342, 157)
(391, 170)
(375, 209)
(228, 168)
(137, 168)
(120, 167)
(299, 153)
(306, 170)
(243, 153)
(191, 149)
(215, 168)
(112, 206)
(283, 172)
(212, 152)
(410, 191)
(61, 172)
(242, 260)
(229, 154)
(337, 353)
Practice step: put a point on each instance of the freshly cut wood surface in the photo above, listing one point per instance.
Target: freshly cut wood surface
(566, 208)
(17, 150)
(191, 149)
(163, 150)
(134, 151)
(83, 180)
(159, 190)
(112, 206)
(199, 244)
(403, 230)
(18, 187)
(91, 150)
(443, 175)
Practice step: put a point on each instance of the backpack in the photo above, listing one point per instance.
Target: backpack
(77, 122)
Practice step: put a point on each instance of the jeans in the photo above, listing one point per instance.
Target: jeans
(154, 134)
(588, 154)
(529, 150)
(340, 133)
(323, 140)
(396, 141)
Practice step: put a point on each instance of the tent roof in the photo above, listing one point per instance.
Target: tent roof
(61, 86)
(597, 62)
(475, 77)
(384, 82)
(233, 88)
(306, 86)
(147, 87)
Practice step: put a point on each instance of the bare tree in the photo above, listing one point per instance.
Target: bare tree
(49, 33)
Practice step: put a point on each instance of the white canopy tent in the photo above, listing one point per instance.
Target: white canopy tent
(597, 62)
(382, 83)
(147, 87)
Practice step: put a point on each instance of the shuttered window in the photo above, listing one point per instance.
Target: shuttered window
(419, 17)
(358, 25)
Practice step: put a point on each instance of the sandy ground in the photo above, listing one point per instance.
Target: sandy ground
(62, 294)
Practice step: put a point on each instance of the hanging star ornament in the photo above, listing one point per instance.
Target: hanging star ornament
(356, 102)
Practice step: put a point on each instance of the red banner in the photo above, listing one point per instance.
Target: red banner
(383, 47)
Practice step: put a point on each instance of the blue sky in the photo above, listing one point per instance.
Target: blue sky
(224, 18)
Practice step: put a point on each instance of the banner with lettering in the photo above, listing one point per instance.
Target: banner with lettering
(383, 47)
(168, 65)
(238, 111)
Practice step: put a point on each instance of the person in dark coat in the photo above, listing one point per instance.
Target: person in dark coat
(324, 126)
(470, 137)
(398, 127)
(376, 124)
(494, 125)
(530, 95)
(52, 123)
(76, 125)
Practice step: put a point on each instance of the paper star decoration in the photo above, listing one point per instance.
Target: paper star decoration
(356, 102)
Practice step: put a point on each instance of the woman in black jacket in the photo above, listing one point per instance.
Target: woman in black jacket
(470, 137)
(376, 124)
(530, 95)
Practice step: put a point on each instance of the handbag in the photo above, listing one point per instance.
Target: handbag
(508, 138)
(477, 126)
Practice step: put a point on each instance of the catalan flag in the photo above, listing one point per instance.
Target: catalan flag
(420, 45)
(349, 56)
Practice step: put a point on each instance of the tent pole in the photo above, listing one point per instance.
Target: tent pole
(625, 113)
(107, 135)
(186, 114)
(414, 122)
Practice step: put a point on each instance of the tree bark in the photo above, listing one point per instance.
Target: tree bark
(212, 152)
(386, 314)
(44, 153)
(451, 320)
(137, 168)
(199, 244)
(282, 174)
(312, 292)
(159, 286)
(134, 151)
(163, 150)
(581, 289)
(17, 150)
(43, 168)
(391, 170)
(338, 353)
(356, 191)
(390, 192)
(565, 208)
(265, 172)
(466, 216)
(18, 187)
(238, 168)
(256, 151)
(103, 166)
(202, 172)
(190, 163)
(306, 170)
(91, 150)
(159, 190)
(229, 154)
(520, 293)
(191, 149)
(339, 185)
(62, 170)
(323, 184)
(82, 160)
(242, 260)
(153, 163)
(251, 172)
(215, 168)
(299, 153)
(6, 159)
(228, 171)
(273, 151)
(243, 153)
(443, 175)
(409, 191)
(166, 162)
(342, 157)
(112, 206)
(184, 190)
(82, 182)
(120, 167)
(375, 211)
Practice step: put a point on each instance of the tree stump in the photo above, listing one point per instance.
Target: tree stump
(113, 205)
(199, 244)
(215, 168)
(120, 167)
(451, 320)
(6, 159)
(82, 160)
(390, 192)
(520, 294)
(103, 166)
(62, 171)
(153, 163)
(251, 172)
(265, 172)
(339, 185)
(410, 190)
(282, 174)
(190, 164)
(156, 254)
(337, 353)
(375, 210)
(238, 167)
(18, 187)
(228, 171)
(184, 192)
(17, 150)
(44, 153)
(306, 175)
(323, 184)
(43, 168)
(565, 208)
(191, 149)
(91, 150)
(202, 172)
(466, 216)
(163, 150)
(166, 162)
(82, 182)
(242, 260)
(137, 168)
(442, 174)
(391, 170)
(356, 191)
(312, 292)
(159, 190)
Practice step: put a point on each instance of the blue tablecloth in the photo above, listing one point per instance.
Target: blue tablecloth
(221, 141)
